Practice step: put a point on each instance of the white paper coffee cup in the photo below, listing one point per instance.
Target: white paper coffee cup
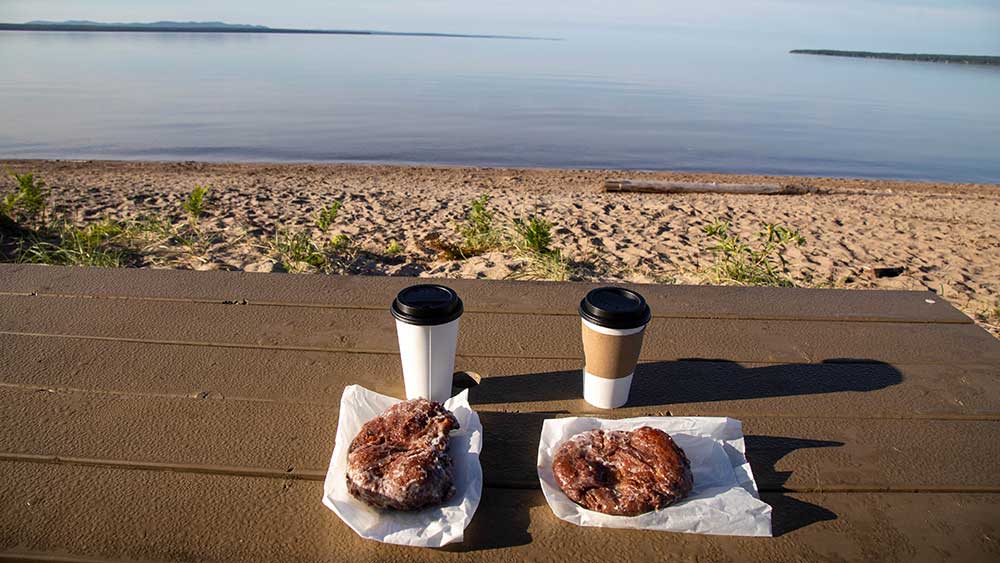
(427, 329)
(613, 322)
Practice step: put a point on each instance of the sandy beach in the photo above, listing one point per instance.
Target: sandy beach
(944, 236)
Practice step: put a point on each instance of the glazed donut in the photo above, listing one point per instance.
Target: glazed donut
(399, 459)
(623, 473)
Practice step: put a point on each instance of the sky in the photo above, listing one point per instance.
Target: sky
(952, 26)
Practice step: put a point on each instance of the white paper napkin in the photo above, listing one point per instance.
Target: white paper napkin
(432, 527)
(724, 500)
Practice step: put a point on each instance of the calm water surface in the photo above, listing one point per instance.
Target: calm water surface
(666, 101)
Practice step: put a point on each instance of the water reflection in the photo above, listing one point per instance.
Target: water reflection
(656, 101)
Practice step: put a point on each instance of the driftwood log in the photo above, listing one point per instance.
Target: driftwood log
(644, 186)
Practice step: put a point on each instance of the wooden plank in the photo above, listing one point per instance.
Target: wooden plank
(682, 388)
(807, 455)
(254, 438)
(485, 334)
(479, 295)
(116, 514)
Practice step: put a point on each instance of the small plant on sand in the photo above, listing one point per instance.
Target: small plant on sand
(194, 205)
(339, 243)
(478, 232)
(549, 266)
(327, 215)
(737, 262)
(532, 239)
(533, 234)
(393, 248)
(299, 251)
(296, 251)
(28, 234)
(28, 202)
(97, 244)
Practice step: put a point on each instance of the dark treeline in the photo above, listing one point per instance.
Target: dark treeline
(922, 57)
(174, 27)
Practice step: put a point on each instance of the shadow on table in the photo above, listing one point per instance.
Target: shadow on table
(685, 381)
(502, 521)
(510, 480)
(698, 381)
(788, 514)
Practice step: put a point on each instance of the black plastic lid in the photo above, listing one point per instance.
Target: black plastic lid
(427, 304)
(615, 307)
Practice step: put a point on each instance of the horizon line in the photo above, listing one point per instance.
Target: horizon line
(222, 27)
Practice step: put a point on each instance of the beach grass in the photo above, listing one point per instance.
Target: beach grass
(532, 241)
(533, 235)
(195, 203)
(478, 232)
(100, 244)
(28, 202)
(550, 265)
(159, 238)
(738, 262)
(297, 251)
(326, 216)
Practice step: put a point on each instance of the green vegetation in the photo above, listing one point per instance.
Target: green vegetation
(530, 238)
(298, 251)
(533, 240)
(339, 243)
(478, 232)
(29, 202)
(548, 266)
(393, 248)
(327, 215)
(190, 236)
(28, 235)
(533, 234)
(194, 205)
(99, 244)
(739, 263)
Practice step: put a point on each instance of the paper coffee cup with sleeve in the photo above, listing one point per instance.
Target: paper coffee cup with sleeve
(613, 323)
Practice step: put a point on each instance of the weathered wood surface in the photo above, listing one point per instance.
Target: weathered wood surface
(357, 292)
(519, 335)
(653, 187)
(143, 419)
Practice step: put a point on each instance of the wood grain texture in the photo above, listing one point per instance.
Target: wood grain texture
(873, 390)
(86, 512)
(213, 435)
(145, 419)
(480, 295)
(488, 334)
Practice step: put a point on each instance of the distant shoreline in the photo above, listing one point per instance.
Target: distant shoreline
(128, 28)
(920, 57)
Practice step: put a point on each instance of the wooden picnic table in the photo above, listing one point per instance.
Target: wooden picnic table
(173, 415)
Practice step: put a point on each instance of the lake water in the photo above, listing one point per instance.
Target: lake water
(675, 101)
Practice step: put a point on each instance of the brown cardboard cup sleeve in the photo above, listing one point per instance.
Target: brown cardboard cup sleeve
(608, 356)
